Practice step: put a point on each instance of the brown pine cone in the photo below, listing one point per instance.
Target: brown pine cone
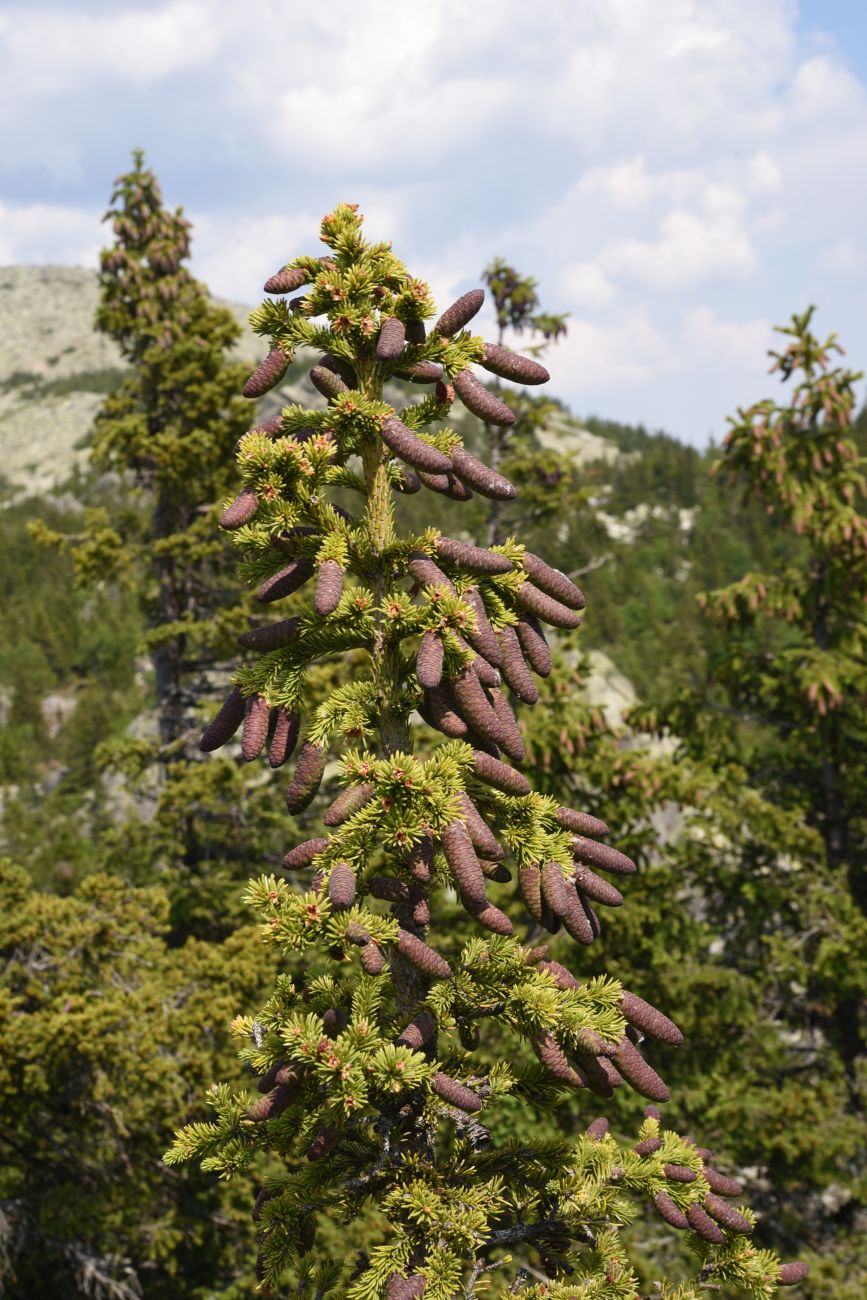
(289, 579)
(408, 483)
(328, 383)
(484, 638)
(460, 313)
(646, 1018)
(421, 372)
(267, 374)
(726, 1214)
(371, 958)
(329, 588)
(357, 934)
(602, 856)
(530, 886)
(388, 888)
(581, 823)
(348, 803)
(495, 871)
(510, 735)
(499, 775)
(341, 887)
(592, 918)
(679, 1173)
(415, 332)
(441, 483)
(271, 636)
(722, 1184)
(429, 574)
(463, 863)
(256, 718)
(280, 1072)
(638, 1073)
(552, 582)
(554, 889)
(669, 1211)
(515, 670)
(271, 427)
(486, 673)
(545, 607)
(325, 1140)
(308, 775)
(259, 1204)
(392, 336)
(241, 511)
(412, 449)
(597, 1129)
(421, 860)
(423, 956)
(477, 475)
(647, 1147)
(226, 723)
(703, 1224)
(535, 648)
(563, 978)
(475, 705)
(597, 888)
(440, 710)
(285, 737)
(480, 833)
(482, 403)
(419, 1031)
(792, 1273)
(405, 1288)
(273, 1103)
(286, 280)
(511, 365)
(489, 916)
(549, 1052)
(303, 854)
(455, 1093)
(575, 920)
(429, 660)
(334, 1021)
(475, 559)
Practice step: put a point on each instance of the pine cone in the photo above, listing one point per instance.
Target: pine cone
(348, 803)
(563, 978)
(499, 775)
(268, 374)
(495, 871)
(281, 1072)
(308, 775)
(328, 383)
(412, 449)
(484, 639)
(259, 1204)
(325, 1140)
(601, 1076)
(486, 673)
(341, 887)
(530, 886)
(482, 403)
(289, 579)
(597, 1129)
(649, 1020)
(515, 670)
(532, 640)
(581, 823)
(415, 332)
(419, 1031)
(636, 1071)
(285, 737)
(286, 280)
(271, 427)
(647, 1146)
(440, 710)
(597, 888)
(511, 365)
(334, 1021)
(226, 723)
(329, 588)
(480, 833)
(602, 856)
(679, 1173)
(554, 889)
(422, 372)
(305, 1235)
(552, 582)
(241, 511)
(256, 718)
(455, 1093)
(477, 475)
(447, 485)
(463, 863)
(548, 609)
(592, 918)
(405, 1288)
(726, 1214)
(669, 1211)
(550, 1053)
(460, 313)
(510, 736)
(475, 559)
(271, 636)
(429, 660)
(421, 860)
(303, 854)
(704, 1225)
(792, 1273)
(273, 1103)
(722, 1184)
(357, 934)
(422, 956)
(428, 573)
(388, 888)
(474, 705)
(371, 958)
(489, 916)
(408, 483)
(392, 335)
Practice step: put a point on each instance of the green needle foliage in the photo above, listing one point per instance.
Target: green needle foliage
(375, 1096)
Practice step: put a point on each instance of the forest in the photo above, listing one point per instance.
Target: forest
(284, 1043)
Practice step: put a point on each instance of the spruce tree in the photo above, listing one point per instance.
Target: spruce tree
(374, 1093)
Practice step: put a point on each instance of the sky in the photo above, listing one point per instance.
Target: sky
(678, 175)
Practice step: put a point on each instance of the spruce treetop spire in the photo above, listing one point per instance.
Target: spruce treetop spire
(372, 1090)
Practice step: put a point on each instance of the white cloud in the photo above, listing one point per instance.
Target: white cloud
(596, 358)
(28, 230)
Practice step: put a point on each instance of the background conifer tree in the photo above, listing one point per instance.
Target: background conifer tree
(372, 1090)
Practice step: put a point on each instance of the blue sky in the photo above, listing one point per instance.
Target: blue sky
(679, 175)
